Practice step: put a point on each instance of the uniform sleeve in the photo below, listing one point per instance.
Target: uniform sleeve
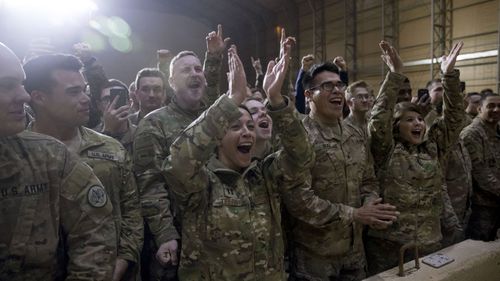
(380, 124)
(445, 132)
(87, 224)
(449, 219)
(149, 152)
(481, 171)
(212, 69)
(369, 189)
(132, 226)
(184, 168)
(291, 170)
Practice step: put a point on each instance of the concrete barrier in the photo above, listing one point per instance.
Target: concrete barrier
(474, 261)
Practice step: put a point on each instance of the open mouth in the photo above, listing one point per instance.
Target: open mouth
(245, 147)
(194, 84)
(264, 124)
(336, 101)
(416, 133)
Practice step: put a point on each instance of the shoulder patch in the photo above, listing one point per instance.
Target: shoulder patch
(97, 196)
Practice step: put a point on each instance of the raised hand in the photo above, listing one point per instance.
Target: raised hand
(307, 62)
(236, 77)
(340, 63)
(276, 72)
(83, 51)
(163, 56)
(284, 42)
(391, 57)
(257, 65)
(216, 43)
(448, 62)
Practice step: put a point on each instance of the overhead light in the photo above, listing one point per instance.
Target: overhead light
(469, 56)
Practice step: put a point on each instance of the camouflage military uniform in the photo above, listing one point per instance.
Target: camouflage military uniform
(343, 174)
(232, 221)
(53, 210)
(483, 145)
(112, 165)
(152, 140)
(410, 176)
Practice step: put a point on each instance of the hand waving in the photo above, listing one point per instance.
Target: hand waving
(448, 62)
(276, 72)
(391, 57)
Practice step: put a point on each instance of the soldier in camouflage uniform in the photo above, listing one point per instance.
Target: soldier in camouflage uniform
(56, 218)
(482, 140)
(359, 97)
(410, 167)
(342, 174)
(56, 86)
(195, 88)
(230, 204)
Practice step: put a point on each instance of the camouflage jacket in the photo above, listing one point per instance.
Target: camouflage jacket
(126, 139)
(483, 145)
(55, 216)
(411, 176)
(342, 174)
(112, 165)
(231, 220)
(152, 140)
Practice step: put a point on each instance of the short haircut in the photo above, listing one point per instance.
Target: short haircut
(486, 95)
(315, 70)
(178, 57)
(470, 94)
(149, 72)
(39, 70)
(358, 84)
(485, 91)
(429, 84)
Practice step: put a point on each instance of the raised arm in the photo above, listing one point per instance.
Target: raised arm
(184, 168)
(216, 45)
(380, 124)
(446, 131)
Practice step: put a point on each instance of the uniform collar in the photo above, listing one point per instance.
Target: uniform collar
(226, 175)
(327, 132)
(90, 139)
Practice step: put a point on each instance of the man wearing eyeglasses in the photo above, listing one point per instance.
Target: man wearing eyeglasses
(343, 174)
(359, 97)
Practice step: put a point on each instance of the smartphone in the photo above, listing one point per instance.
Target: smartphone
(437, 260)
(422, 93)
(122, 96)
(462, 86)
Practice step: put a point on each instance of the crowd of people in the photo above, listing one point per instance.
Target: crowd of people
(168, 178)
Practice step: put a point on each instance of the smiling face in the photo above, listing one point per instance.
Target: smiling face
(361, 100)
(412, 127)
(263, 122)
(489, 111)
(235, 149)
(12, 94)
(326, 105)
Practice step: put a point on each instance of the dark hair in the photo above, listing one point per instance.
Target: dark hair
(470, 94)
(179, 56)
(399, 110)
(432, 82)
(244, 107)
(39, 70)
(486, 95)
(149, 72)
(315, 70)
(486, 91)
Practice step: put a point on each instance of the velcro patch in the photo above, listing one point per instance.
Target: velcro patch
(97, 196)
(102, 155)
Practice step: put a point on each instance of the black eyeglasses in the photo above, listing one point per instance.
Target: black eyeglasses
(330, 86)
